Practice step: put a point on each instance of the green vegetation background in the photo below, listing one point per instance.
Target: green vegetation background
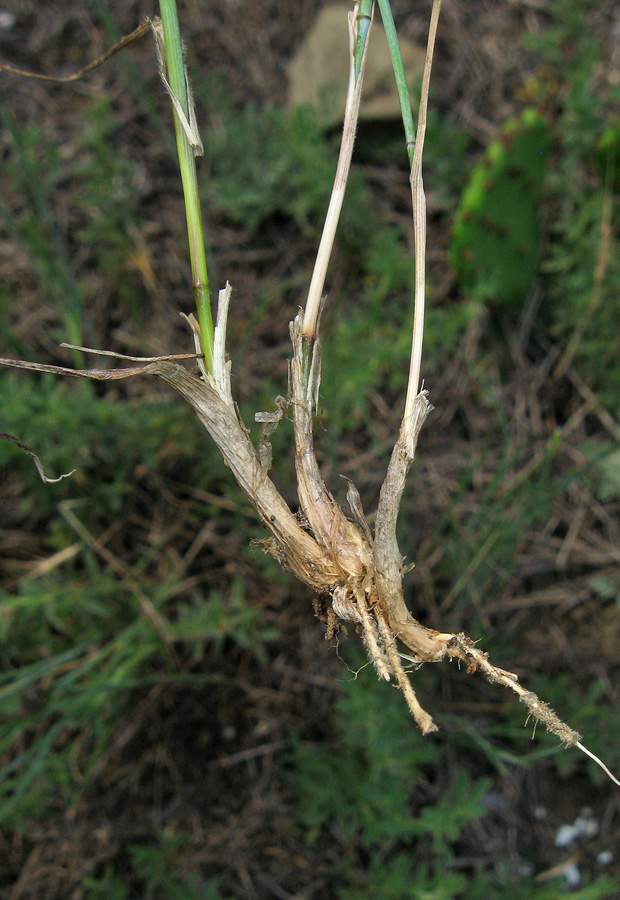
(172, 723)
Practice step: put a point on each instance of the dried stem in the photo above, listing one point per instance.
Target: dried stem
(138, 32)
(354, 96)
(419, 222)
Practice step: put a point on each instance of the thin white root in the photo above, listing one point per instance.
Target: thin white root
(598, 762)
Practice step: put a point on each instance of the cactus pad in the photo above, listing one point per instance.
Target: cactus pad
(495, 245)
(607, 157)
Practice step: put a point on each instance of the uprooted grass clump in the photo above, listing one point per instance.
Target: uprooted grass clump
(334, 555)
(493, 539)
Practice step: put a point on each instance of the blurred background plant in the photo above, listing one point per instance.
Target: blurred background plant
(173, 723)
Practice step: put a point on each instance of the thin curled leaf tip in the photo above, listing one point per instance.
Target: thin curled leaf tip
(44, 478)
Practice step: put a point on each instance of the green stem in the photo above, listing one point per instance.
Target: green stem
(175, 66)
(364, 18)
(399, 74)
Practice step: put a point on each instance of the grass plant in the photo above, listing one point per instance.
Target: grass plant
(114, 631)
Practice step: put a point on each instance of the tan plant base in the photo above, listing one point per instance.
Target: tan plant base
(359, 578)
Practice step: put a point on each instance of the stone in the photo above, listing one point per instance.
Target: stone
(319, 73)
